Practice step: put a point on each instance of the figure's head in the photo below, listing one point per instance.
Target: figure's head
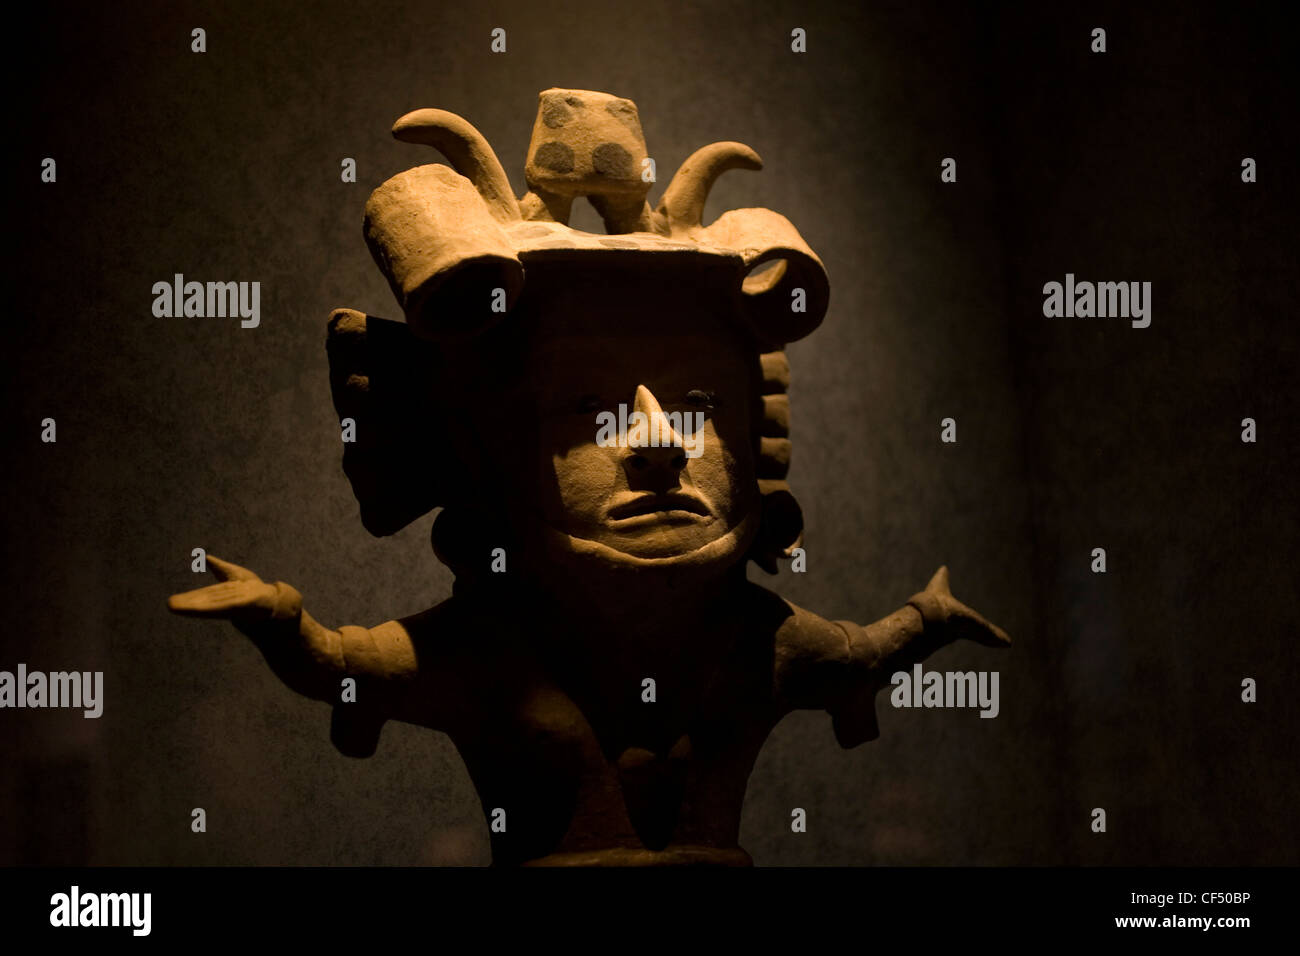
(610, 400)
(630, 436)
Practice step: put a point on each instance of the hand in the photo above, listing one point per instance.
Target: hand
(302, 653)
(956, 621)
(258, 609)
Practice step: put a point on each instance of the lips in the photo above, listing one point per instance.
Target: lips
(651, 504)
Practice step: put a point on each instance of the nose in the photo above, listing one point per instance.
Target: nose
(664, 450)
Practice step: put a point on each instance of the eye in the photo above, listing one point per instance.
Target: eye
(702, 399)
(589, 403)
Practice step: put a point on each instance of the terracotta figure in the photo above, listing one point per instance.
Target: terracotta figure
(603, 422)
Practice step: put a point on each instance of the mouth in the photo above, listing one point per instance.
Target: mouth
(668, 507)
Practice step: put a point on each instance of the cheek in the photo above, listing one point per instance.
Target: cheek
(577, 476)
(725, 466)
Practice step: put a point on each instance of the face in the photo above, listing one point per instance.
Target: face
(642, 422)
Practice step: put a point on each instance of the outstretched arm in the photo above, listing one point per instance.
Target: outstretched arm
(309, 657)
(840, 665)
(931, 619)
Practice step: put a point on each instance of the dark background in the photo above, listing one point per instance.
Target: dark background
(1122, 690)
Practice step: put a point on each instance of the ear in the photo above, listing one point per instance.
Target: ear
(781, 530)
(378, 378)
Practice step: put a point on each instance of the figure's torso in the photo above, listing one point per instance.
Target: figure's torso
(583, 765)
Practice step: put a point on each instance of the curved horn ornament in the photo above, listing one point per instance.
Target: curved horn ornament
(683, 201)
(469, 153)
